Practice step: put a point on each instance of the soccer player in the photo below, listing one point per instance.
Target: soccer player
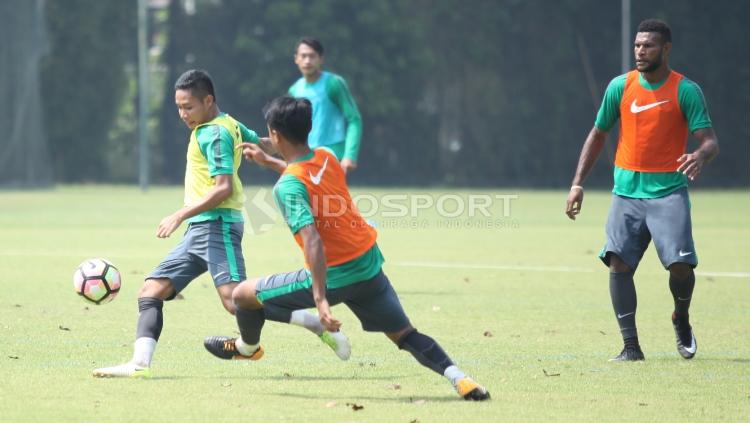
(336, 120)
(343, 261)
(657, 108)
(213, 211)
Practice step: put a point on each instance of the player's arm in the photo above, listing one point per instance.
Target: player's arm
(691, 164)
(255, 153)
(221, 190)
(606, 118)
(693, 106)
(340, 95)
(590, 152)
(315, 257)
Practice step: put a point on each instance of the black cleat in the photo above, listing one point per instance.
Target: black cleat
(225, 347)
(630, 353)
(686, 345)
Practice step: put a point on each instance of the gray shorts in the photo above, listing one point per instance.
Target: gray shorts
(214, 245)
(373, 301)
(634, 222)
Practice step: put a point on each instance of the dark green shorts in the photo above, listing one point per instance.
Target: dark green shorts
(373, 301)
(213, 246)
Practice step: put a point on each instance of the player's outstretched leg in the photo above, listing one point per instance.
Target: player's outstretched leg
(681, 284)
(150, 323)
(429, 353)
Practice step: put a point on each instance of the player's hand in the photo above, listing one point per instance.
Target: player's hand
(254, 152)
(169, 224)
(575, 199)
(691, 164)
(326, 318)
(348, 165)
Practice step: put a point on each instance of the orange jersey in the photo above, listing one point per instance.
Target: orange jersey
(345, 234)
(654, 131)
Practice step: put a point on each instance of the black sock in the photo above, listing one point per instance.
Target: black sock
(624, 301)
(682, 292)
(426, 351)
(250, 323)
(150, 319)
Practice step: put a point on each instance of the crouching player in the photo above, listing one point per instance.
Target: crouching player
(343, 260)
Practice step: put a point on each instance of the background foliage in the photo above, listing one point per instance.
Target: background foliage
(472, 93)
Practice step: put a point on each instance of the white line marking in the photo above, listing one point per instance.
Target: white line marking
(561, 269)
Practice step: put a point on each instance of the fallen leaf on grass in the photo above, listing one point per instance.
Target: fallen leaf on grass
(61, 327)
(488, 334)
(414, 421)
(466, 280)
(395, 386)
(287, 375)
(550, 374)
(602, 332)
(419, 402)
(331, 404)
(642, 404)
(355, 407)
(13, 357)
(17, 305)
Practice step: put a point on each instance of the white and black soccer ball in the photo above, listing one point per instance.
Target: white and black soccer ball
(97, 280)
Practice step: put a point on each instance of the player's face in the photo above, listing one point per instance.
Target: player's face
(650, 51)
(193, 111)
(308, 61)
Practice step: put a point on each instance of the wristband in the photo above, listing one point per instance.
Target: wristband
(576, 187)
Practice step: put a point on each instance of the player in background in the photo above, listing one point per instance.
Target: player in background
(337, 123)
(213, 211)
(343, 261)
(657, 108)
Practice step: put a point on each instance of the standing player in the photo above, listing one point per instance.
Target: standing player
(657, 108)
(336, 120)
(343, 261)
(213, 210)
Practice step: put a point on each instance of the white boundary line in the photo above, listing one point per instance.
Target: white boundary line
(561, 269)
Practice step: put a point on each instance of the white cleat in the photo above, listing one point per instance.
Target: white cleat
(338, 342)
(123, 370)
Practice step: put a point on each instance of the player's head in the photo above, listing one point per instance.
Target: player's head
(652, 44)
(308, 56)
(194, 97)
(289, 119)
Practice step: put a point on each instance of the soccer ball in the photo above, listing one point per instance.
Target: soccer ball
(97, 280)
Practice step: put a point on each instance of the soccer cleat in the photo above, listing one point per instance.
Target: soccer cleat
(338, 342)
(470, 390)
(123, 370)
(629, 353)
(686, 345)
(225, 347)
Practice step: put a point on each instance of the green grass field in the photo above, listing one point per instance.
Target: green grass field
(520, 302)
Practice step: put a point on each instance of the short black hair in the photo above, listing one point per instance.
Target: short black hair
(197, 81)
(655, 25)
(292, 117)
(312, 42)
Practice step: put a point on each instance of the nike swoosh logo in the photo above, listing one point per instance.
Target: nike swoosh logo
(683, 299)
(635, 108)
(620, 316)
(316, 178)
(683, 254)
(693, 347)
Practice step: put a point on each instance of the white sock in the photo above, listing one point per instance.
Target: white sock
(454, 374)
(244, 348)
(143, 351)
(307, 320)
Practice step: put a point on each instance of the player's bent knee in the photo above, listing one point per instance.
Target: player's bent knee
(244, 295)
(616, 265)
(397, 337)
(680, 271)
(156, 288)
